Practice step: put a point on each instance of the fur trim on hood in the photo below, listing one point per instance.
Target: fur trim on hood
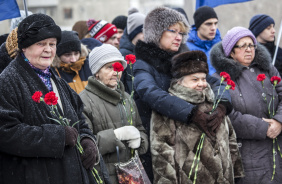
(222, 63)
(158, 58)
(57, 61)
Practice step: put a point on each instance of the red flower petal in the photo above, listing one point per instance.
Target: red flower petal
(36, 96)
(225, 75)
(130, 58)
(51, 99)
(275, 78)
(118, 67)
(261, 77)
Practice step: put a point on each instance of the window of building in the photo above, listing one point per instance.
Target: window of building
(67, 13)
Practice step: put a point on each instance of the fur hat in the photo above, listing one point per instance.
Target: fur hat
(69, 42)
(188, 63)
(37, 27)
(81, 28)
(135, 23)
(102, 55)
(259, 22)
(202, 14)
(12, 43)
(101, 30)
(233, 36)
(120, 22)
(160, 19)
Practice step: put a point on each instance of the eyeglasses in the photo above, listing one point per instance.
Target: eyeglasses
(176, 32)
(245, 46)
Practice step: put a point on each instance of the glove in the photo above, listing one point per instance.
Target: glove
(70, 136)
(89, 157)
(216, 118)
(134, 143)
(127, 133)
(201, 120)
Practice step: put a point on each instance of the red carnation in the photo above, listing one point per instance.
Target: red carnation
(36, 96)
(118, 67)
(275, 78)
(51, 99)
(130, 58)
(225, 75)
(231, 83)
(261, 77)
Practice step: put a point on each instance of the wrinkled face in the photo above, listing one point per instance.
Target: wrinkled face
(70, 57)
(244, 56)
(108, 76)
(267, 35)
(42, 53)
(113, 41)
(171, 38)
(119, 34)
(195, 81)
(207, 29)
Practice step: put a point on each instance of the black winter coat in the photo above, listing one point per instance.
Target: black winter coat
(32, 147)
(5, 59)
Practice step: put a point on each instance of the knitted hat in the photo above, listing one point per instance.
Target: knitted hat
(69, 42)
(102, 55)
(37, 27)
(120, 22)
(135, 23)
(259, 22)
(102, 30)
(188, 63)
(81, 28)
(233, 36)
(15, 21)
(202, 14)
(160, 19)
(12, 43)
(91, 43)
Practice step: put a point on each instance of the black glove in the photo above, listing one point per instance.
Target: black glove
(201, 119)
(88, 158)
(70, 136)
(216, 118)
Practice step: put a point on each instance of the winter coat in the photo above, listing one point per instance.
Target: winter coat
(32, 146)
(76, 75)
(195, 43)
(126, 47)
(5, 58)
(174, 143)
(249, 109)
(105, 111)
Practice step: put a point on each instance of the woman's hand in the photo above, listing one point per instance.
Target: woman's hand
(274, 128)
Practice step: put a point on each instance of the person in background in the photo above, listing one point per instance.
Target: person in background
(131, 35)
(102, 31)
(152, 72)
(71, 62)
(109, 110)
(173, 142)
(16, 21)
(120, 23)
(204, 33)
(262, 26)
(244, 59)
(90, 43)
(33, 147)
(81, 28)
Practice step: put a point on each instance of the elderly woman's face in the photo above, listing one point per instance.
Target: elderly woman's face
(171, 38)
(195, 81)
(244, 51)
(108, 76)
(42, 53)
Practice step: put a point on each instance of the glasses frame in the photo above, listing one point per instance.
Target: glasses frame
(245, 46)
(176, 32)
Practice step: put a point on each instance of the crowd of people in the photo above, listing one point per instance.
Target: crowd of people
(69, 116)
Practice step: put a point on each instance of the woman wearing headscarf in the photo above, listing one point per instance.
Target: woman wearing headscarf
(111, 112)
(165, 33)
(33, 147)
(71, 62)
(244, 59)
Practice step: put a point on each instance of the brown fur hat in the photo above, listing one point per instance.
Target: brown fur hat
(188, 63)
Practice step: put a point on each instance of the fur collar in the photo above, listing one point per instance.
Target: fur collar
(222, 63)
(158, 58)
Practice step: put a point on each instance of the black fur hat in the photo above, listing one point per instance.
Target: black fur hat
(69, 42)
(188, 63)
(37, 27)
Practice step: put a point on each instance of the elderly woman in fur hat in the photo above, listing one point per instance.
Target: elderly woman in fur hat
(33, 147)
(71, 62)
(244, 59)
(165, 33)
(174, 143)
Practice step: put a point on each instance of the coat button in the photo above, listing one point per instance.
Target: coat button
(240, 94)
(252, 70)
(239, 144)
(263, 95)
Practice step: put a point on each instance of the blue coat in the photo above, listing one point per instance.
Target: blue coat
(195, 43)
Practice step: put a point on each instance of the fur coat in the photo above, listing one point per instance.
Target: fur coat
(174, 144)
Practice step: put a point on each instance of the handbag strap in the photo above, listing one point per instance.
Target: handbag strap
(117, 154)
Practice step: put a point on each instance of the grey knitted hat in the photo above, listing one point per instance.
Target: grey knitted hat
(158, 20)
(135, 22)
(102, 55)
